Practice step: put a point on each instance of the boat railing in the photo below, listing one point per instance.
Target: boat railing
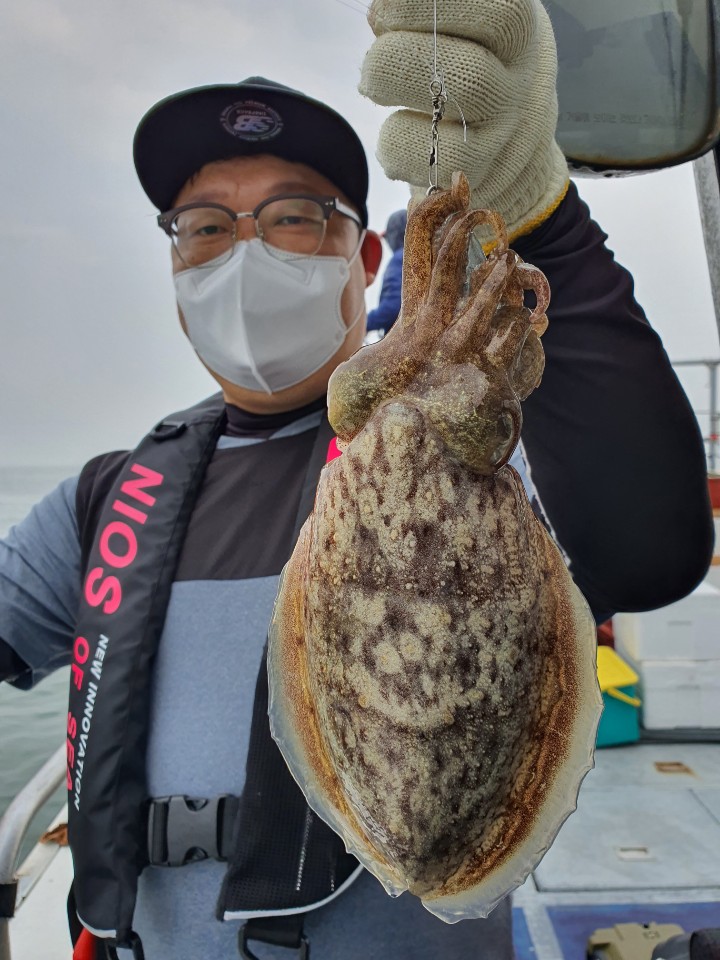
(712, 439)
(14, 824)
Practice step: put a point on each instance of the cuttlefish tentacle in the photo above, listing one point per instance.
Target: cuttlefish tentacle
(472, 326)
(436, 320)
(533, 279)
(428, 218)
(384, 369)
(448, 278)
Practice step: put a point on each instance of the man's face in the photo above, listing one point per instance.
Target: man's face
(241, 184)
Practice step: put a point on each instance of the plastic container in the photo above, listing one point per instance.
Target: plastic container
(619, 722)
(679, 694)
(686, 630)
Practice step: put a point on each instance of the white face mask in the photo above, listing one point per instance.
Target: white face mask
(265, 323)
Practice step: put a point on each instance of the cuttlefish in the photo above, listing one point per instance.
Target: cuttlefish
(431, 662)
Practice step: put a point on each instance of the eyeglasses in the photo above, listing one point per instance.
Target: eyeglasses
(292, 225)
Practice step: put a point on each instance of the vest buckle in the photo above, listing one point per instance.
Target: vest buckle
(132, 943)
(281, 931)
(168, 430)
(184, 829)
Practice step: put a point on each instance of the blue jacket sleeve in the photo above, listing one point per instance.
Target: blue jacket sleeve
(40, 585)
(388, 308)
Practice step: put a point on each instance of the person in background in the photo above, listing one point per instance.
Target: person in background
(154, 573)
(386, 312)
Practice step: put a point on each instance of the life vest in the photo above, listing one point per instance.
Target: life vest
(132, 520)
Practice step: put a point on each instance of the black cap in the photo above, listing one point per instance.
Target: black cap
(182, 133)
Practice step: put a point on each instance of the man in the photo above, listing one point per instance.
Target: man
(388, 308)
(262, 192)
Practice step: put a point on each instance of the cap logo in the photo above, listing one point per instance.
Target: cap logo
(251, 120)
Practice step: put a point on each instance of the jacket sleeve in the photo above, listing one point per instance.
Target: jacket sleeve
(11, 665)
(612, 442)
(39, 588)
(388, 308)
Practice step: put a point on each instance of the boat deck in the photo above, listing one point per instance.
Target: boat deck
(643, 846)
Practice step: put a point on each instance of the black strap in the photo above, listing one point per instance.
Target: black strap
(284, 931)
(284, 856)
(118, 635)
(132, 942)
(8, 893)
(11, 665)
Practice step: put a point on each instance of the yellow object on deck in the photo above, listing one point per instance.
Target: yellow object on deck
(614, 673)
(619, 722)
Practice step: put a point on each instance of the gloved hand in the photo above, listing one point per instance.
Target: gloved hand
(499, 62)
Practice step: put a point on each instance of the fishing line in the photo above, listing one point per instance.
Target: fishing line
(355, 5)
(438, 93)
(440, 97)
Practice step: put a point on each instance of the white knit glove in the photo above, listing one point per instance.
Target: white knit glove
(499, 63)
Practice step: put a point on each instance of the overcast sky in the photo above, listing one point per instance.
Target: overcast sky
(92, 354)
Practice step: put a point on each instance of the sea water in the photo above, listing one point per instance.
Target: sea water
(32, 722)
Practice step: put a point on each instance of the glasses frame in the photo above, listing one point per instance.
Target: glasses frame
(328, 205)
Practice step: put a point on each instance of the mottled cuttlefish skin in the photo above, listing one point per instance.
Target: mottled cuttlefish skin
(431, 662)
